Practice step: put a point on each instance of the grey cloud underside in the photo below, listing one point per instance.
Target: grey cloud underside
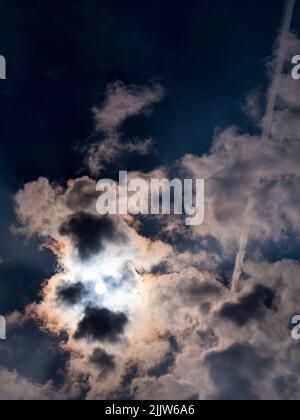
(103, 361)
(235, 370)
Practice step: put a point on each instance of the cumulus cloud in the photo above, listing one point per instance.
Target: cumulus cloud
(93, 253)
(166, 324)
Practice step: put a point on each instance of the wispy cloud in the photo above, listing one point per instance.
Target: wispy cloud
(121, 103)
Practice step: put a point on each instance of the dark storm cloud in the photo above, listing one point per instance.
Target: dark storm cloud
(250, 307)
(235, 369)
(102, 325)
(71, 294)
(103, 361)
(90, 233)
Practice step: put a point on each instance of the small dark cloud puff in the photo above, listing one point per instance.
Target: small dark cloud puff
(205, 289)
(250, 307)
(82, 195)
(71, 294)
(101, 325)
(90, 233)
(103, 361)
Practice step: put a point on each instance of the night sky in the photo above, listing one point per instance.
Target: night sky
(209, 56)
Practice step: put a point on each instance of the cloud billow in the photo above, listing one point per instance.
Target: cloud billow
(90, 233)
(101, 325)
(252, 307)
(71, 294)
